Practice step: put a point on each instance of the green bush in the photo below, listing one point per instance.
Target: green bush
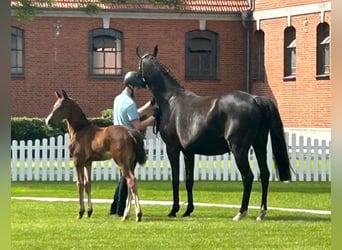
(23, 128)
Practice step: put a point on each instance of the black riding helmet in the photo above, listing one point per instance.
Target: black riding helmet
(134, 79)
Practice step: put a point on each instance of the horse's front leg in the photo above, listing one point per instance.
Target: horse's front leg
(174, 160)
(80, 188)
(87, 175)
(189, 182)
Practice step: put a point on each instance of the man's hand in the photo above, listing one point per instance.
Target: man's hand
(156, 113)
(153, 101)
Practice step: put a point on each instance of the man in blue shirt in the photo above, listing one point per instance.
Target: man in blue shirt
(126, 112)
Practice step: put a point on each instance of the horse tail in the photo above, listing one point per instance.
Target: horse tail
(140, 154)
(278, 142)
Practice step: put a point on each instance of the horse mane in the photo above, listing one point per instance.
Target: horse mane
(166, 71)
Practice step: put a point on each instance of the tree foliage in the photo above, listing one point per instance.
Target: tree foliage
(27, 9)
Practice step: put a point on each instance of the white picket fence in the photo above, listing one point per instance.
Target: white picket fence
(48, 160)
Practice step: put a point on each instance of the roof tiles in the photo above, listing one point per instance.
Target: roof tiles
(208, 6)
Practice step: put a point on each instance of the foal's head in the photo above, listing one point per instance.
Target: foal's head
(61, 109)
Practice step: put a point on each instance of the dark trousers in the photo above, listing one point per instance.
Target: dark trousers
(119, 198)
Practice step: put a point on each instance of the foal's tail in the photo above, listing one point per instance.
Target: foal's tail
(140, 154)
(279, 146)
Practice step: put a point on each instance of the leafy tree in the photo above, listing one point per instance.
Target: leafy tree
(26, 9)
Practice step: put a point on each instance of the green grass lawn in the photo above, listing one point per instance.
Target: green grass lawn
(53, 225)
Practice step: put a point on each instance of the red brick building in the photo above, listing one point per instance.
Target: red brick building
(268, 48)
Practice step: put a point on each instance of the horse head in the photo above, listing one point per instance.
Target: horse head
(148, 64)
(60, 110)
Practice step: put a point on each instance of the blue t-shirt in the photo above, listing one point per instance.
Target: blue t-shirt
(124, 110)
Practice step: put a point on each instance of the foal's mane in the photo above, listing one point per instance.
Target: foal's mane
(81, 113)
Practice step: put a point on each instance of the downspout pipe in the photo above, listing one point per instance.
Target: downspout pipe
(247, 23)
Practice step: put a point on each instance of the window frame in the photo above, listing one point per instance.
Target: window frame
(17, 67)
(323, 51)
(261, 71)
(105, 54)
(209, 42)
(290, 54)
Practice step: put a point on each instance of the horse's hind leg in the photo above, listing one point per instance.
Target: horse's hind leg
(260, 151)
(241, 158)
(189, 182)
(133, 191)
(138, 212)
(87, 175)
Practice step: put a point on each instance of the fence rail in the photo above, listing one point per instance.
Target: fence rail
(48, 160)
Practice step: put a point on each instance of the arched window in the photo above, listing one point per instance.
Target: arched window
(290, 53)
(201, 55)
(260, 40)
(323, 50)
(17, 51)
(105, 49)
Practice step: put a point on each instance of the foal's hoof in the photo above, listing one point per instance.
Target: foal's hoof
(139, 216)
(261, 216)
(240, 215)
(125, 217)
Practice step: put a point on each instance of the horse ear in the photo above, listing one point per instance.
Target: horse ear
(155, 50)
(65, 94)
(137, 51)
(58, 95)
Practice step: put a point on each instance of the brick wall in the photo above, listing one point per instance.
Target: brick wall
(305, 102)
(55, 63)
(272, 4)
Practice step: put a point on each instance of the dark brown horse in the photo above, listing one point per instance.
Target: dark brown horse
(89, 142)
(214, 125)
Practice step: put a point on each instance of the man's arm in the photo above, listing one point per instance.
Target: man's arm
(146, 109)
(140, 125)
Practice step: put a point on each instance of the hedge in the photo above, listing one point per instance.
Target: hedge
(24, 128)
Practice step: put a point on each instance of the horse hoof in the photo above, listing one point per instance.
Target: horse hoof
(172, 214)
(188, 211)
(80, 214)
(174, 211)
(240, 215)
(89, 213)
(261, 216)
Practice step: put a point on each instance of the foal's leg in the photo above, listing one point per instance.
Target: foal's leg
(241, 158)
(138, 212)
(128, 205)
(80, 188)
(132, 192)
(174, 160)
(87, 175)
(260, 151)
(189, 182)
